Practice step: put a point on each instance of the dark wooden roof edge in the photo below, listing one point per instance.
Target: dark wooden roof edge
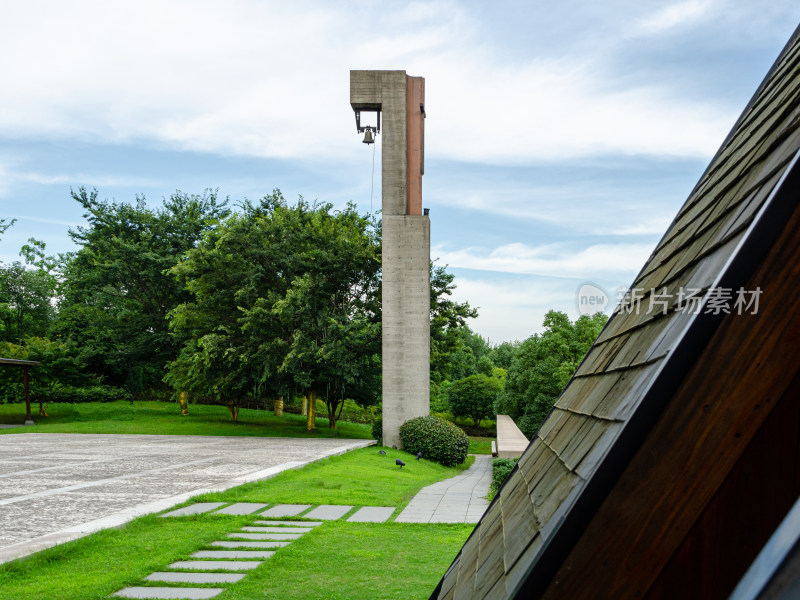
(18, 362)
(712, 164)
(775, 553)
(766, 226)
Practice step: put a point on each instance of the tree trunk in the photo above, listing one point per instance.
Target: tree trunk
(332, 417)
(184, 404)
(279, 407)
(311, 424)
(28, 418)
(304, 412)
(234, 410)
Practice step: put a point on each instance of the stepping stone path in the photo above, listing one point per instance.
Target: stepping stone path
(241, 508)
(169, 592)
(172, 577)
(285, 510)
(372, 514)
(329, 512)
(206, 565)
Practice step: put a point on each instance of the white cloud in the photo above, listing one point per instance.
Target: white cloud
(46, 220)
(270, 79)
(674, 15)
(512, 309)
(582, 209)
(551, 260)
(80, 179)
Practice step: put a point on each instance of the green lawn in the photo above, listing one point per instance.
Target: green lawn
(357, 561)
(480, 445)
(337, 560)
(164, 418)
(361, 477)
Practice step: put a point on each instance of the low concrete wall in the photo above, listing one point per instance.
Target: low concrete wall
(511, 442)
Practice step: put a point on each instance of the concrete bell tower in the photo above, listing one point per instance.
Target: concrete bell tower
(399, 101)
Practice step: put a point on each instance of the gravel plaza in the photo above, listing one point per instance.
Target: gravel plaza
(58, 487)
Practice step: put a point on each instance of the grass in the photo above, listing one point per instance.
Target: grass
(480, 445)
(361, 477)
(101, 564)
(164, 418)
(336, 561)
(354, 561)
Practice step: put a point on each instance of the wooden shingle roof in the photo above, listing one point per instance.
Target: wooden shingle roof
(714, 243)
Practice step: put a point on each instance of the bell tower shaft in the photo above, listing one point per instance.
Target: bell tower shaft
(406, 244)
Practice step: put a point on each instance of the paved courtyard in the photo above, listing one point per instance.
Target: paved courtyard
(56, 487)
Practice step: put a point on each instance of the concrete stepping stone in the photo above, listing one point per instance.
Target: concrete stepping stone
(166, 593)
(290, 523)
(278, 529)
(173, 577)
(328, 512)
(232, 554)
(194, 509)
(241, 508)
(372, 514)
(285, 510)
(266, 536)
(249, 544)
(216, 565)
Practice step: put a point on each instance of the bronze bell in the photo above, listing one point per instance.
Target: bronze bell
(369, 138)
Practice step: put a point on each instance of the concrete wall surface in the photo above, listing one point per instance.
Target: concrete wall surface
(406, 322)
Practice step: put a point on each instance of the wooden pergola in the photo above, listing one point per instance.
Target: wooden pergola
(15, 362)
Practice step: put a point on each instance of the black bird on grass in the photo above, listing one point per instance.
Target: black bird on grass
(399, 462)
(381, 452)
(419, 455)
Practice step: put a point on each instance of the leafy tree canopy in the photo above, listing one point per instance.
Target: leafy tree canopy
(283, 298)
(117, 291)
(543, 365)
(474, 396)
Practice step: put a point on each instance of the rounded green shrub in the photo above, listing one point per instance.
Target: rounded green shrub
(501, 469)
(437, 439)
(377, 430)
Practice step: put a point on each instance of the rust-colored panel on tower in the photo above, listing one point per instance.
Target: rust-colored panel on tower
(415, 138)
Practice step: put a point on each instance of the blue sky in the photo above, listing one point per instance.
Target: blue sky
(561, 137)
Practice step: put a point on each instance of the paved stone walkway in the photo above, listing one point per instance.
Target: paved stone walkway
(57, 487)
(460, 499)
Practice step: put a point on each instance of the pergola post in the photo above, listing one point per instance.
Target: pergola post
(28, 417)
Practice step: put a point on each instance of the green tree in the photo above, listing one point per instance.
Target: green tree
(503, 355)
(474, 397)
(26, 307)
(116, 290)
(59, 368)
(543, 365)
(5, 224)
(452, 354)
(484, 366)
(283, 298)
